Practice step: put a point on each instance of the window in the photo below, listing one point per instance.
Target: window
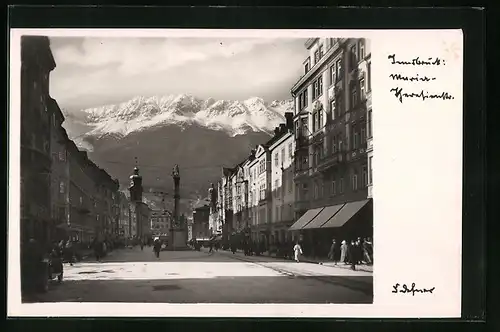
(303, 100)
(363, 135)
(315, 120)
(307, 66)
(369, 126)
(370, 172)
(320, 85)
(341, 185)
(369, 74)
(332, 74)
(354, 57)
(276, 159)
(339, 105)
(320, 119)
(356, 139)
(315, 90)
(290, 151)
(316, 56)
(262, 166)
(361, 49)
(282, 155)
(365, 177)
(339, 72)
(362, 88)
(61, 187)
(305, 130)
(262, 191)
(333, 189)
(355, 182)
(320, 49)
(334, 144)
(340, 143)
(354, 96)
(333, 109)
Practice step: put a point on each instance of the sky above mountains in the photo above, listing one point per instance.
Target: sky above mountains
(95, 71)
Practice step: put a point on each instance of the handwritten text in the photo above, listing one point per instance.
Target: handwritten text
(405, 290)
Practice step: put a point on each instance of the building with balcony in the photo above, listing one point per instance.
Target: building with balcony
(332, 123)
(281, 149)
(37, 62)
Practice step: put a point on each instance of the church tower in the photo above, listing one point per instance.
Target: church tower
(135, 186)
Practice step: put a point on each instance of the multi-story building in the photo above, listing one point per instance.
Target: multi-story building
(124, 225)
(37, 62)
(260, 202)
(226, 200)
(201, 220)
(281, 148)
(160, 222)
(59, 170)
(240, 187)
(332, 124)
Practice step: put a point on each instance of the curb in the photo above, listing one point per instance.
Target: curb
(321, 263)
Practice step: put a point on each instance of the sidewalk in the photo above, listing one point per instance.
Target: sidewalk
(325, 262)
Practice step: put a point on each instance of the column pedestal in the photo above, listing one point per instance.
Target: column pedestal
(179, 239)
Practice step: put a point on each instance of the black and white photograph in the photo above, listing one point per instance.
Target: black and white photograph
(196, 170)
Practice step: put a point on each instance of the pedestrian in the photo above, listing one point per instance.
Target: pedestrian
(97, 250)
(142, 245)
(332, 254)
(343, 252)
(352, 253)
(367, 251)
(69, 252)
(157, 247)
(210, 246)
(298, 251)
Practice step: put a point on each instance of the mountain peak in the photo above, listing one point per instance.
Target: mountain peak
(141, 112)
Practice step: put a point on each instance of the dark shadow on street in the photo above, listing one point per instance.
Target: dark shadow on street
(254, 289)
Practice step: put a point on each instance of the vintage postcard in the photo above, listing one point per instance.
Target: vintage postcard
(268, 173)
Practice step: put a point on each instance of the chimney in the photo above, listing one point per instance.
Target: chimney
(289, 120)
(282, 128)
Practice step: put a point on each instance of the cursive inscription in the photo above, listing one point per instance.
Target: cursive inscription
(432, 61)
(398, 93)
(404, 289)
(415, 79)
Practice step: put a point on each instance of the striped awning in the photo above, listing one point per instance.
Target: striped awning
(305, 219)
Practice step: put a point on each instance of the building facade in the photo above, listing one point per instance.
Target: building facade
(332, 125)
(37, 62)
(160, 222)
(281, 149)
(201, 220)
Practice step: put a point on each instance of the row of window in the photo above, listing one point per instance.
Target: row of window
(282, 153)
(336, 75)
(337, 187)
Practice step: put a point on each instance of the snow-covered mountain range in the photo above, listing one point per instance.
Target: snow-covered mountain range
(142, 113)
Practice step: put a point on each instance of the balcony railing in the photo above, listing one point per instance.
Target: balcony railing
(330, 160)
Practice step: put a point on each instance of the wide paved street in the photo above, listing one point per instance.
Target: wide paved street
(132, 275)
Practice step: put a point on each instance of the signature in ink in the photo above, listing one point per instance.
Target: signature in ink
(406, 290)
(399, 94)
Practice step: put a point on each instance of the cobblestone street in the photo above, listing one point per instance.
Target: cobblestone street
(132, 275)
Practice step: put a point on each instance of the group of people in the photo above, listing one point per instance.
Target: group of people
(354, 252)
